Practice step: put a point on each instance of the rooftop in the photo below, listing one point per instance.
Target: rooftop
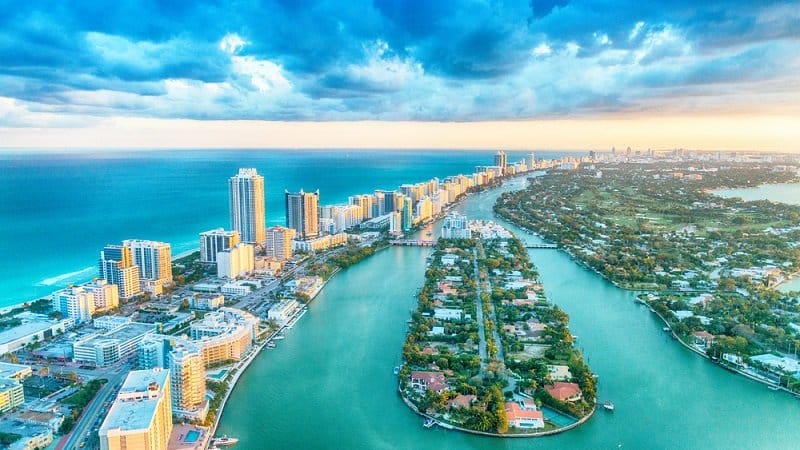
(26, 329)
(121, 334)
(131, 411)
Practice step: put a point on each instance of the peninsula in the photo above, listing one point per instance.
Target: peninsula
(485, 352)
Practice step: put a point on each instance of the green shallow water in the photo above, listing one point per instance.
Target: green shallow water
(329, 384)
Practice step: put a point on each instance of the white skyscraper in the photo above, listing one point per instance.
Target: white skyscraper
(246, 196)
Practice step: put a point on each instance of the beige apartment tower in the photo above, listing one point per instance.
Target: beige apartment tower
(246, 198)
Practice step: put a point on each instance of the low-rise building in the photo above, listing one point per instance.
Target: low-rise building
(31, 436)
(283, 311)
(433, 381)
(32, 330)
(448, 314)
(104, 349)
(208, 302)
(11, 394)
(106, 295)
(224, 335)
(565, 392)
(523, 418)
(111, 322)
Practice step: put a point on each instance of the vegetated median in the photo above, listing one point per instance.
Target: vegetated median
(486, 352)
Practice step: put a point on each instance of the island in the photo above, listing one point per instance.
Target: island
(486, 352)
(707, 265)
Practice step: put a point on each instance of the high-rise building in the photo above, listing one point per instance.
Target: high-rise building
(424, 209)
(392, 200)
(246, 198)
(378, 204)
(395, 223)
(106, 295)
(141, 415)
(456, 226)
(117, 267)
(302, 213)
(365, 202)
(501, 160)
(184, 360)
(75, 303)
(215, 241)
(408, 217)
(153, 258)
(236, 261)
(531, 161)
(279, 242)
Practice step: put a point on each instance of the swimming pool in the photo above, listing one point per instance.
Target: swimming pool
(219, 375)
(192, 436)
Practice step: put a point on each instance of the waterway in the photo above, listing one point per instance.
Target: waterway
(329, 384)
(781, 193)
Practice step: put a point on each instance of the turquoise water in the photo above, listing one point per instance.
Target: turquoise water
(57, 210)
(219, 375)
(331, 385)
(782, 192)
(192, 436)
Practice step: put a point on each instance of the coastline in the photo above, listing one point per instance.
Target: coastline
(257, 350)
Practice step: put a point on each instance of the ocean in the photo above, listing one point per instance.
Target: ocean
(58, 209)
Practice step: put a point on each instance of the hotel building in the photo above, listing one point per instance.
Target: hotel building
(246, 198)
(75, 303)
(302, 213)
(279, 242)
(215, 241)
(141, 416)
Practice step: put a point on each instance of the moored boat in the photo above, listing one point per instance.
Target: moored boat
(224, 441)
(609, 406)
(429, 423)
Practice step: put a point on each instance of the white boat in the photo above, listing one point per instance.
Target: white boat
(772, 387)
(608, 406)
(224, 441)
(396, 370)
(429, 423)
(271, 345)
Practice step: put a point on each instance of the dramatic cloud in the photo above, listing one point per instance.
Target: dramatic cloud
(67, 64)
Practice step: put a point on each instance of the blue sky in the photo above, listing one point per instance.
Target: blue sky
(71, 64)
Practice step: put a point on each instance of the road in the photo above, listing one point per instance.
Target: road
(91, 414)
(479, 316)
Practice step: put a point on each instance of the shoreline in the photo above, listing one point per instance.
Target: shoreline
(672, 332)
(449, 426)
(258, 349)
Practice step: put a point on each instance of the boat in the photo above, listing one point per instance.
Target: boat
(271, 345)
(396, 370)
(608, 406)
(429, 423)
(772, 387)
(666, 329)
(279, 337)
(224, 441)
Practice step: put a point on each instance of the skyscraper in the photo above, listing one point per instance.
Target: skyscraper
(117, 267)
(501, 160)
(408, 218)
(279, 242)
(302, 213)
(153, 258)
(246, 196)
(184, 359)
(215, 241)
(531, 161)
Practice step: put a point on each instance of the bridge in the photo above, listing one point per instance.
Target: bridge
(530, 245)
(411, 242)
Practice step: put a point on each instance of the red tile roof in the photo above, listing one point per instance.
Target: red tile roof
(514, 412)
(434, 381)
(562, 391)
(464, 401)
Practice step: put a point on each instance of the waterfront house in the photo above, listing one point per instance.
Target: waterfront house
(433, 381)
(565, 392)
(447, 314)
(703, 338)
(558, 372)
(436, 331)
(523, 418)
(462, 401)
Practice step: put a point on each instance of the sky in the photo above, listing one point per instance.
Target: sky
(556, 74)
